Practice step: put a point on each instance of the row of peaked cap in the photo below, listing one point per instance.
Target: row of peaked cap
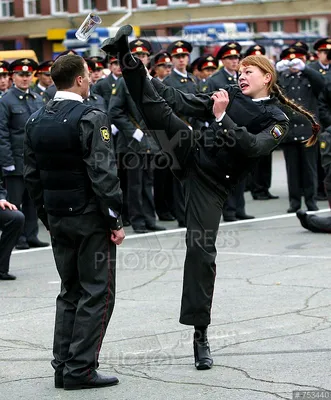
(25, 65)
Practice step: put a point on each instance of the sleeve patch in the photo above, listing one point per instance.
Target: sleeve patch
(323, 145)
(105, 134)
(277, 132)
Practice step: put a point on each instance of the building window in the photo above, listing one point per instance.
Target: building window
(86, 5)
(309, 25)
(31, 7)
(146, 3)
(174, 2)
(59, 6)
(7, 8)
(276, 26)
(114, 4)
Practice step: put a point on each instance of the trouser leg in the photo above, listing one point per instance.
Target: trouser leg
(293, 166)
(203, 213)
(11, 225)
(309, 175)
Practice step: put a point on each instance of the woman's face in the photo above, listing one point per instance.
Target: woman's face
(253, 82)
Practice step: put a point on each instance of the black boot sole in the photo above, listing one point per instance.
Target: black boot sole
(109, 46)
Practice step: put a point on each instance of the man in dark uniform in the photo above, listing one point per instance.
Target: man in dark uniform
(302, 84)
(229, 54)
(93, 99)
(43, 73)
(16, 106)
(162, 65)
(100, 65)
(322, 46)
(4, 77)
(135, 149)
(180, 79)
(107, 87)
(261, 176)
(11, 225)
(71, 176)
(207, 66)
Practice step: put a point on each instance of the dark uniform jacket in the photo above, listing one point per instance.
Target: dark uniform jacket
(16, 107)
(325, 105)
(304, 88)
(219, 80)
(106, 88)
(315, 65)
(96, 101)
(75, 159)
(124, 114)
(49, 93)
(38, 90)
(3, 192)
(229, 150)
(186, 85)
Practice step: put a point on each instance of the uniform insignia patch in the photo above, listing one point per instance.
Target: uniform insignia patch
(277, 132)
(113, 91)
(323, 145)
(105, 134)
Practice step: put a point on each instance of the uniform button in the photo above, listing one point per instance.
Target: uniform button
(220, 124)
(295, 138)
(70, 209)
(292, 77)
(302, 137)
(298, 87)
(293, 87)
(227, 176)
(295, 125)
(302, 125)
(21, 97)
(225, 130)
(65, 120)
(32, 119)
(148, 151)
(299, 98)
(293, 113)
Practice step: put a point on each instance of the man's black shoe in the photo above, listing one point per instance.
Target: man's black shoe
(155, 228)
(244, 216)
(166, 217)
(229, 218)
(35, 242)
(22, 246)
(95, 381)
(271, 196)
(119, 43)
(302, 216)
(292, 210)
(260, 196)
(4, 276)
(140, 230)
(313, 208)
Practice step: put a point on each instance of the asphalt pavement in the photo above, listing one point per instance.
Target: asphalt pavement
(270, 332)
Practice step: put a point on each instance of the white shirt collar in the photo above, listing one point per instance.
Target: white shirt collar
(184, 74)
(115, 77)
(262, 98)
(326, 67)
(43, 88)
(234, 74)
(65, 95)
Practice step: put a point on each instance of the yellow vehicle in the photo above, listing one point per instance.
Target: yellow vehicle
(11, 55)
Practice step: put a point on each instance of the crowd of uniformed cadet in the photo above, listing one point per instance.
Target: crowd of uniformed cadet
(150, 191)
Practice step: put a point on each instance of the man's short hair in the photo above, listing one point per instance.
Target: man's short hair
(65, 70)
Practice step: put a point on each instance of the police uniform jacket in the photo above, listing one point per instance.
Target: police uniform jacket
(315, 65)
(96, 101)
(124, 114)
(16, 107)
(186, 85)
(39, 90)
(49, 93)
(325, 105)
(3, 192)
(105, 88)
(304, 88)
(219, 80)
(228, 150)
(70, 167)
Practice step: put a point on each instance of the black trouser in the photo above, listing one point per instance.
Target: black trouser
(11, 225)
(203, 205)
(122, 176)
(261, 176)
(301, 167)
(163, 186)
(318, 224)
(140, 190)
(235, 203)
(18, 195)
(85, 259)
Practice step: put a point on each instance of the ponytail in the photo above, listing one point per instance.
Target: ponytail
(291, 104)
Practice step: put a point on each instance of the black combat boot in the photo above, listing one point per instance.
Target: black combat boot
(202, 357)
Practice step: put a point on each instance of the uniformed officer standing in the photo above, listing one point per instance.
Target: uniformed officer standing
(322, 46)
(261, 176)
(11, 225)
(43, 73)
(207, 65)
(302, 84)
(135, 148)
(100, 65)
(71, 175)
(4, 77)
(180, 79)
(16, 106)
(94, 99)
(162, 65)
(229, 54)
